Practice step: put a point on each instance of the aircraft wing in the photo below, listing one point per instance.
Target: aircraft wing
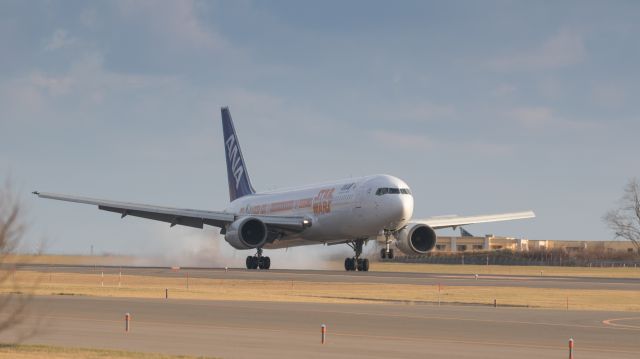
(456, 221)
(178, 216)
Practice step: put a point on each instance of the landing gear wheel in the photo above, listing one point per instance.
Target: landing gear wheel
(258, 261)
(356, 263)
(350, 264)
(264, 262)
(383, 253)
(363, 265)
(390, 254)
(252, 262)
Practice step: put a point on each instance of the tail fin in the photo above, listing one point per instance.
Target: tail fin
(239, 182)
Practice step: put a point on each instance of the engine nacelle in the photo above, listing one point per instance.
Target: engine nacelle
(247, 233)
(416, 238)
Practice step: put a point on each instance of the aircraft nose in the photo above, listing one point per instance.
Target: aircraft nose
(406, 206)
(401, 209)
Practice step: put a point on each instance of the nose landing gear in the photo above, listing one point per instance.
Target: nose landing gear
(356, 263)
(258, 261)
(387, 252)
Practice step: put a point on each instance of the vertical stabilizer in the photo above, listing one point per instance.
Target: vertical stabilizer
(239, 182)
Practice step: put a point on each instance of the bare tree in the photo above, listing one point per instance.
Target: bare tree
(12, 230)
(625, 220)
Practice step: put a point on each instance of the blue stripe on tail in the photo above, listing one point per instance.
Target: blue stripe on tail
(239, 182)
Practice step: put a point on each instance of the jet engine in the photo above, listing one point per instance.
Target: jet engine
(416, 238)
(247, 233)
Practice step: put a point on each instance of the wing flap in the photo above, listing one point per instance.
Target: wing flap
(454, 221)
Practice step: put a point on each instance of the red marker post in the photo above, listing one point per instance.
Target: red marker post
(570, 348)
(127, 319)
(323, 331)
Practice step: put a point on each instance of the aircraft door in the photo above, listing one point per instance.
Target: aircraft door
(361, 200)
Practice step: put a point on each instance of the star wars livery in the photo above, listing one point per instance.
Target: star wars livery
(349, 211)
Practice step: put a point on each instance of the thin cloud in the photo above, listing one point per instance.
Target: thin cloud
(563, 49)
(544, 118)
(609, 95)
(504, 90)
(86, 82)
(430, 111)
(176, 21)
(401, 140)
(59, 40)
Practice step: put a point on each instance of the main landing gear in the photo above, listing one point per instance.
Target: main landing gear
(258, 261)
(356, 263)
(386, 252)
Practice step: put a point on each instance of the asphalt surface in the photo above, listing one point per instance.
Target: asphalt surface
(292, 330)
(362, 277)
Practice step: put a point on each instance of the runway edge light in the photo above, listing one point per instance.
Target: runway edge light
(323, 331)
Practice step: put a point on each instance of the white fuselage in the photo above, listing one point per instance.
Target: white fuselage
(348, 209)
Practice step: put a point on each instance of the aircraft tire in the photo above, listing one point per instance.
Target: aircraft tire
(265, 263)
(390, 254)
(252, 262)
(350, 264)
(383, 253)
(365, 265)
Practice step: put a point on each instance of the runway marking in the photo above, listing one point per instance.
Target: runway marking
(355, 335)
(426, 317)
(414, 317)
(475, 320)
(218, 304)
(610, 322)
(484, 342)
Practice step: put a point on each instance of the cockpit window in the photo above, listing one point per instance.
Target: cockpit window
(391, 190)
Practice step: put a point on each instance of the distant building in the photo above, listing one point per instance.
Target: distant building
(491, 243)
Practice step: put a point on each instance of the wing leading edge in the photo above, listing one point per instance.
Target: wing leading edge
(177, 216)
(455, 221)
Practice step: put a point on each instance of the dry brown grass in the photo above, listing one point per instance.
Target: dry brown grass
(69, 259)
(54, 352)
(628, 272)
(375, 266)
(320, 292)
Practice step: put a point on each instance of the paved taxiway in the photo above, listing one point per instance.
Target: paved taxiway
(362, 277)
(292, 330)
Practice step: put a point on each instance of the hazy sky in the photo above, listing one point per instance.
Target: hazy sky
(480, 106)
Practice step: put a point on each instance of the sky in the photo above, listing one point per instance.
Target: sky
(481, 107)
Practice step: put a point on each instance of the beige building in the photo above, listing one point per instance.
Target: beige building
(490, 243)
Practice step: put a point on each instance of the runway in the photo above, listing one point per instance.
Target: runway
(292, 330)
(595, 283)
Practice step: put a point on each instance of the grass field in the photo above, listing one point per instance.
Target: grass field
(629, 272)
(54, 352)
(319, 292)
(69, 259)
(375, 266)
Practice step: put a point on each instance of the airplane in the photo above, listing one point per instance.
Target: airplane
(349, 211)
